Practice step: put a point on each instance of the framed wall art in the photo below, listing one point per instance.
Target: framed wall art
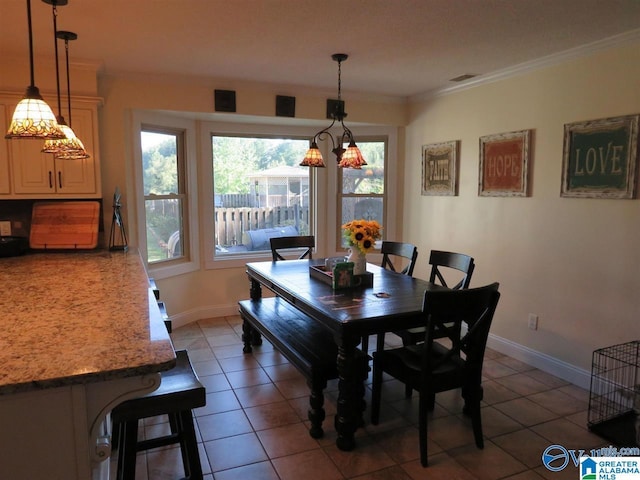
(600, 157)
(504, 164)
(440, 168)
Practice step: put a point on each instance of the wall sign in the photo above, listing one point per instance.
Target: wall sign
(504, 164)
(440, 168)
(225, 100)
(600, 157)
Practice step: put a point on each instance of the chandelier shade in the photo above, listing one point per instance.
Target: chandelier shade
(33, 118)
(70, 142)
(74, 149)
(351, 157)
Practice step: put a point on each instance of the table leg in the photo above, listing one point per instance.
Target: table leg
(255, 293)
(352, 374)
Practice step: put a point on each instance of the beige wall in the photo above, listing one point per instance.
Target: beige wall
(573, 262)
(204, 293)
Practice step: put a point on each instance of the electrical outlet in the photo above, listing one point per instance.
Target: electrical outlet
(5, 229)
(533, 321)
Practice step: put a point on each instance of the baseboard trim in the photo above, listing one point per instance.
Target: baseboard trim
(190, 316)
(542, 361)
(546, 363)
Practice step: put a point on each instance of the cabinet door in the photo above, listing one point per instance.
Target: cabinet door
(4, 151)
(79, 176)
(32, 171)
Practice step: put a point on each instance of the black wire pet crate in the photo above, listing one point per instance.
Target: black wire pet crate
(614, 399)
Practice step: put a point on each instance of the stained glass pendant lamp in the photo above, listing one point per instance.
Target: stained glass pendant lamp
(32, 117)
(352, 156)
(70, 143)
(78, 151)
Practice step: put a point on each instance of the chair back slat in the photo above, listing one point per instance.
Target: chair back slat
(441, 260)
(400, 250)
(306, 242)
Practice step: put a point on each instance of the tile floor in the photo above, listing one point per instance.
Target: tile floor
(254, 425)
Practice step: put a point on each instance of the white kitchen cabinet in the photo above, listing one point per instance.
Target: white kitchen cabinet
(34, 174)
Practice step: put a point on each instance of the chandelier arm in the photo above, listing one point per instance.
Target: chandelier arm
(322, 134)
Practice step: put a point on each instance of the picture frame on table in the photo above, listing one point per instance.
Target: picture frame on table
(440, 168)
(600, 158)
(504, 164)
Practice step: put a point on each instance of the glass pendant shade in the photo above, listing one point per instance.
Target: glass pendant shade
(313, 157)
(33, 118)
(70, 143)
(352, 157)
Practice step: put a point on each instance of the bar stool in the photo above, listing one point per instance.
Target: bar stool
(179, 393)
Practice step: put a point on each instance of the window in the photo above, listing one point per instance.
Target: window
(259, 192)
(361, 192)
(164, 187)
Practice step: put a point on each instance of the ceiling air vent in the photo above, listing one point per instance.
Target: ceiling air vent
(464, 77)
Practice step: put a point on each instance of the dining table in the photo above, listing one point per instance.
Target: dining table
(392, 302)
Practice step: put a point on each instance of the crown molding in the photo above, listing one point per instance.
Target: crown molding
(543, 62)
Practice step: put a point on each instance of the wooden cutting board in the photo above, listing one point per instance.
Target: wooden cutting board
(64, 225)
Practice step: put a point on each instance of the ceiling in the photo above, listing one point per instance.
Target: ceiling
(399, 48)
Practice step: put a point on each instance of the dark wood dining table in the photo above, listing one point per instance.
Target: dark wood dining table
(394, 302)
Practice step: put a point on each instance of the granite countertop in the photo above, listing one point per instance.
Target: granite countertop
(78, 317)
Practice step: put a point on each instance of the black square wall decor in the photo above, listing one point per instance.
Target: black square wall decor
(225, 100)
(285, 106)
(334, 107)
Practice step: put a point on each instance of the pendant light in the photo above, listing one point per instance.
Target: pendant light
(70, 143)
(349, 158)
(80, 153)
(32, 117)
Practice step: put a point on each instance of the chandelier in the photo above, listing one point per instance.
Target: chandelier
(349, 158)
(71, 143)
(33, 117)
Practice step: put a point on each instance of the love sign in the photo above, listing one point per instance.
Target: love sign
(600, 157)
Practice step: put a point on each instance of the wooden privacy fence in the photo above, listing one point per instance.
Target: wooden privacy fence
(232, 223)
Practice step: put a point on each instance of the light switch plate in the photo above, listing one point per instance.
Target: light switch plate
(5, 229)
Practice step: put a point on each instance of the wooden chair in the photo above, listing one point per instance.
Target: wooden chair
(451, 266)
(459, 262)
(307, 242)
(455, 361)
(392, 251)
(180, 391)
(395, 252)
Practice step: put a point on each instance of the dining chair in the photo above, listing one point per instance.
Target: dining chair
(444, 264)
(395, 254)
(447, 363)
(399, 252)
(449, 269)
(307, 242)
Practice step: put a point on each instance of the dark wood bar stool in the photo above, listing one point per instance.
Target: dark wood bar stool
(179, 393)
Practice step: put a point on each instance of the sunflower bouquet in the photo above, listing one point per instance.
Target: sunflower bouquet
(362, 234)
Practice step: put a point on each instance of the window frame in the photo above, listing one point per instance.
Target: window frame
(187, 164)
(248, 130)
(341, 195)
(391, 199)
